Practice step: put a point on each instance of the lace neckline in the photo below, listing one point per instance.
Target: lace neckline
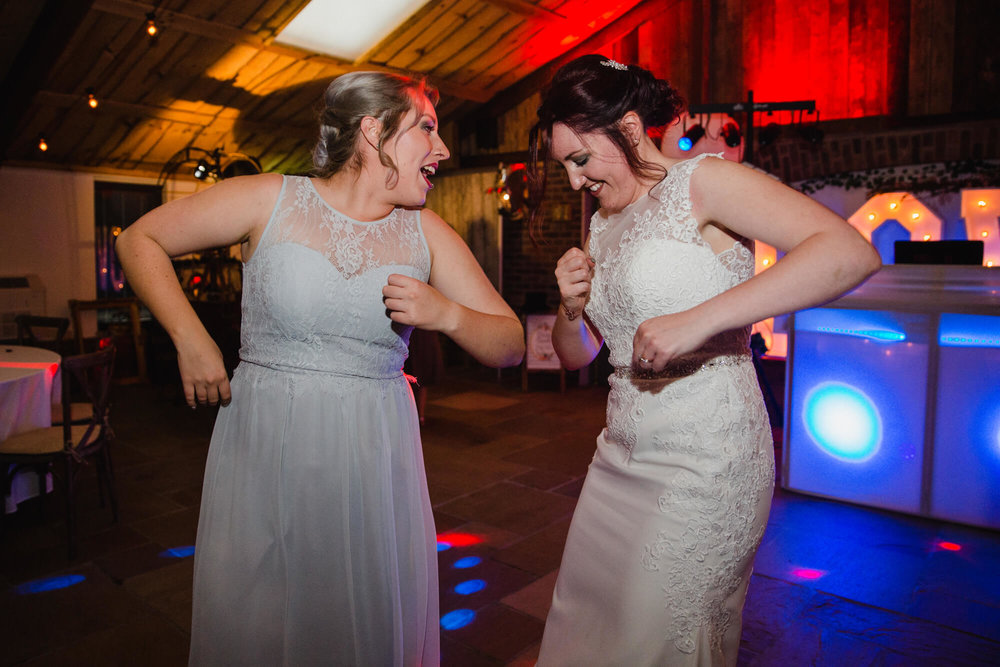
(329, 207)
(658, 191)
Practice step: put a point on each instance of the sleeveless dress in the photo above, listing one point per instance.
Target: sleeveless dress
(316, 542)
(676, 499)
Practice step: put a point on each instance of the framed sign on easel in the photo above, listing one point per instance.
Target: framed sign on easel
(539, 354)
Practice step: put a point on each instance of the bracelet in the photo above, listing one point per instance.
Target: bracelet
(570, 315)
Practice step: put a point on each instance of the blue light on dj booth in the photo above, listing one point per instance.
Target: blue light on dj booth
(843, 421)
(969, 330)
(858, 323)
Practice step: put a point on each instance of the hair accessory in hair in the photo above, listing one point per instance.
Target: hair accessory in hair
(614, 63)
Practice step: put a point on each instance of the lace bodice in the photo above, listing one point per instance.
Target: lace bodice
(699, 428)
(651, 260)
(312, 291)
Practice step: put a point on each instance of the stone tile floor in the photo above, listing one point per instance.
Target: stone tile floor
(834, 584)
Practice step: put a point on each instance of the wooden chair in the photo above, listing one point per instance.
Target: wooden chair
(41, 331)
(74, 445)
(131, 306)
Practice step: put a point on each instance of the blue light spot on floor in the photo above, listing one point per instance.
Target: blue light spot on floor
(471, 586)
(177, 552)
(49, 584)
(468, 561)
(443, 546)
(459, 618)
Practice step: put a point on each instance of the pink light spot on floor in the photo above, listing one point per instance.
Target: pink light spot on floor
(807, 573)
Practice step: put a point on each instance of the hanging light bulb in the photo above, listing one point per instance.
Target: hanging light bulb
(151, 26)
(42, 144)
(91, 98)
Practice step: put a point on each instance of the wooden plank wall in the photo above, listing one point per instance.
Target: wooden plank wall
(855, 58)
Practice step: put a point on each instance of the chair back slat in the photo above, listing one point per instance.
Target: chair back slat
(30, 330)
(90, 373)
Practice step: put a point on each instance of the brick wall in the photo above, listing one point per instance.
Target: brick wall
(529, 267)
(794, 159)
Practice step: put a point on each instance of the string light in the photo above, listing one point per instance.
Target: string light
(91, 98)
(915, 215)
(981, 203)
(927, 237)
(151, 26)
(892, 206)
(42, 144)
(985, 233)
(871, 216)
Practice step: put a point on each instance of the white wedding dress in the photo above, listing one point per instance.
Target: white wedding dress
(675, 502)
(316, 540)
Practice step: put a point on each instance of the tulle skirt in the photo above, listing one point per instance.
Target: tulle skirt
(316, 541)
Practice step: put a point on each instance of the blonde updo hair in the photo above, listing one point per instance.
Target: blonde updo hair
(349, 98)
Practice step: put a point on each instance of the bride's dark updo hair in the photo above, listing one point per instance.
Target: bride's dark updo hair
(591, 94)
(349, 98)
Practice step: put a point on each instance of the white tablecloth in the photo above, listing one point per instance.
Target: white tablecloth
(30, 383)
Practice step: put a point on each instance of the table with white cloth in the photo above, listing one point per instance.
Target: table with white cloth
(30, 383)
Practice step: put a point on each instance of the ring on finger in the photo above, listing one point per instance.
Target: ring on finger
(644, 360)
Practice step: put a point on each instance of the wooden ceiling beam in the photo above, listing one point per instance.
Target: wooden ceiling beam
(238, 36)
(196, 118)
(527, 9)
(513, 95)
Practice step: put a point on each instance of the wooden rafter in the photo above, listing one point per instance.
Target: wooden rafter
(238, 36)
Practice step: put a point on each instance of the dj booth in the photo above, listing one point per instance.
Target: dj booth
(893, 394)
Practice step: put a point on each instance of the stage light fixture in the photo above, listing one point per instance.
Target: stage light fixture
(811, 133)
(691, 137)
(42, 144)
(769, 134)
(91, 98)
(202, 170)
(731, 135)
(151, 27)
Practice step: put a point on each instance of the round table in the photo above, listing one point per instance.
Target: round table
(30, 383)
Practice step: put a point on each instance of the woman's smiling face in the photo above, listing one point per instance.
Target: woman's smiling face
(594, 162)
(417, 151)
